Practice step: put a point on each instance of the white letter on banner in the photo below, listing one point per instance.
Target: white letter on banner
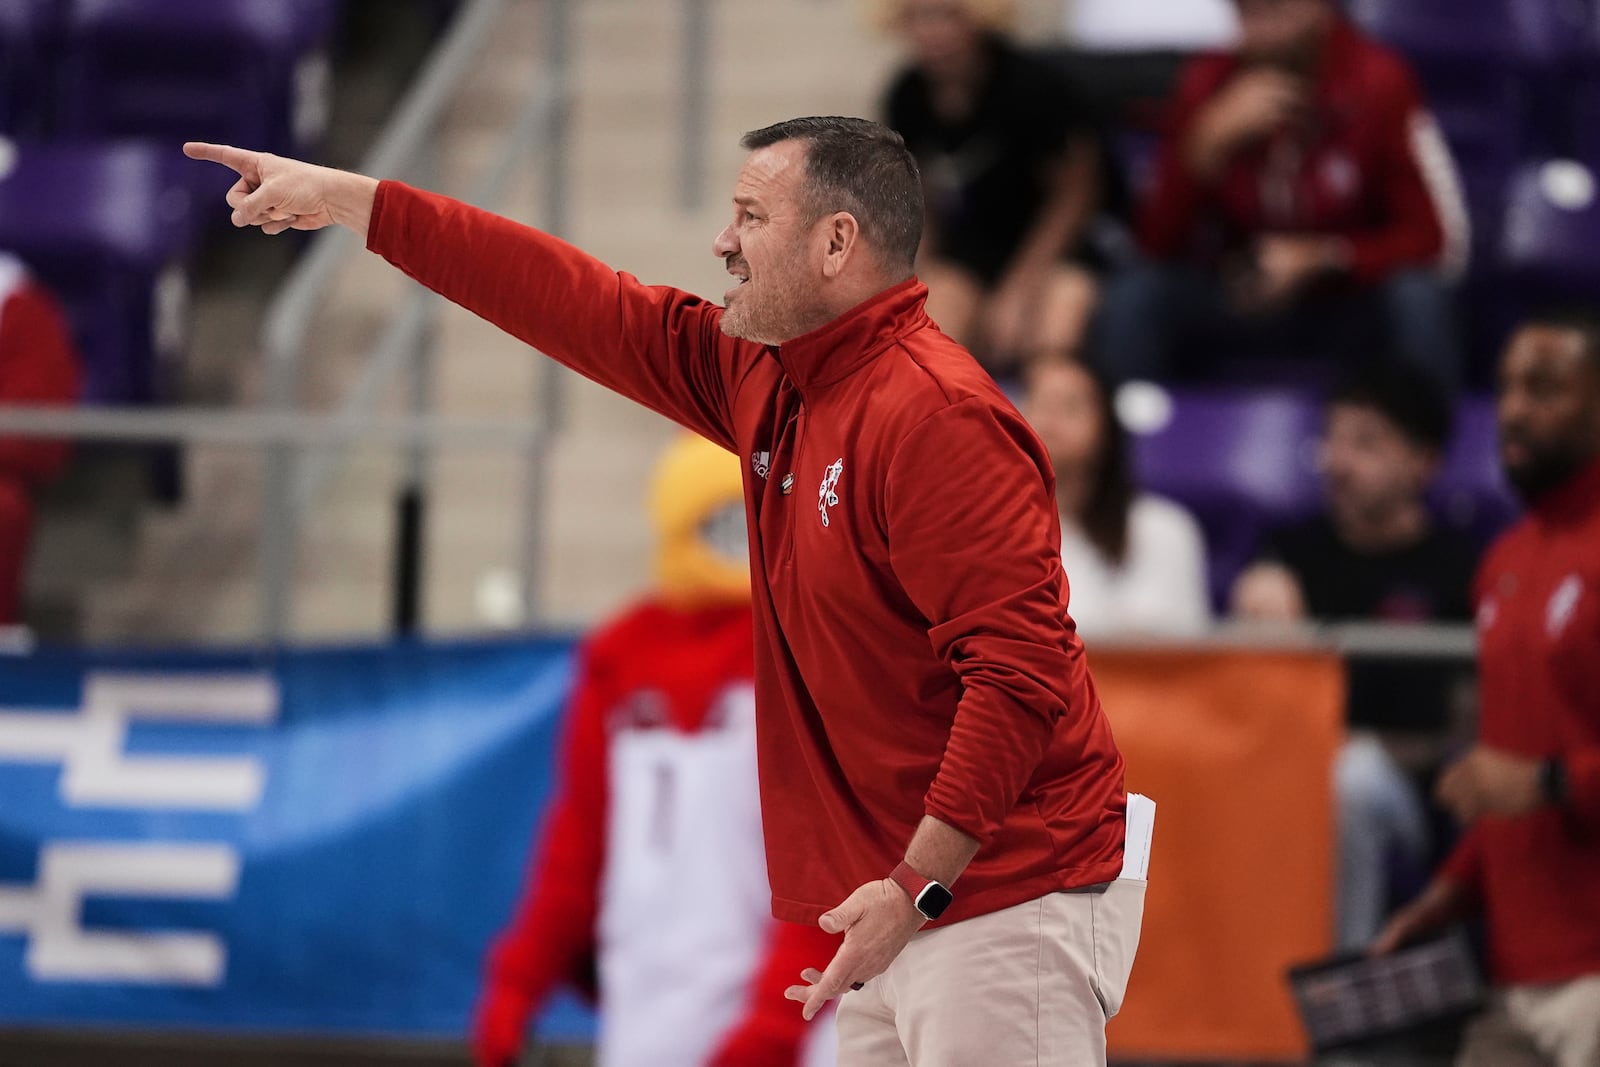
(89, 745)
(61, 950)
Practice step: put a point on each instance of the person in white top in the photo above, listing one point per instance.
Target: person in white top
(1136, 562)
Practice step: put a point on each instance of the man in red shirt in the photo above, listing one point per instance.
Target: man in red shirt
(1530, 790)
(1304, 202)
(924, 704)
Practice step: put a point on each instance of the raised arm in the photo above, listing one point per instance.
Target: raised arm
(280, 194)
(659, 346)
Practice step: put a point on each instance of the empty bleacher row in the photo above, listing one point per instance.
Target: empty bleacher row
(95, 97)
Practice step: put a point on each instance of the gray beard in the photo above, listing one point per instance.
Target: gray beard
(785, 322)
(736, 323)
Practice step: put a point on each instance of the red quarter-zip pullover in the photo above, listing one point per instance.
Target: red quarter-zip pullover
(1538, 875)
(913, 649)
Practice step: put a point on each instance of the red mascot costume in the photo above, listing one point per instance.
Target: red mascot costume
(38, 365)
(651, 863)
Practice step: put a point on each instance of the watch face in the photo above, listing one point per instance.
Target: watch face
(934, 899)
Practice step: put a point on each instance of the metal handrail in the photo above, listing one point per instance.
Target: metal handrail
(289, 429)
(288, 318)
(1366, 640)
(695, 122)
(398, 344)
(402, 143)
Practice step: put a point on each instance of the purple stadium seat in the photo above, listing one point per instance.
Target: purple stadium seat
(1553, 32)
(1587, 93)
(1471, 493)
(27, 29)
(1241, 460)
(1432, 32)
(1547, 251)
(1551, 240)
(1490, 67)
(250, 72)
(1472, 58)
(109, 229)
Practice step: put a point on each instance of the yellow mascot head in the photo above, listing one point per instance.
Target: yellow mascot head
(697, 507)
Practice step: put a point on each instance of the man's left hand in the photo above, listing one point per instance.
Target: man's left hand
(1491, 782)
(877, 922)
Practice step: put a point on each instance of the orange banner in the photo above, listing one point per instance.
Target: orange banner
(1237, 750)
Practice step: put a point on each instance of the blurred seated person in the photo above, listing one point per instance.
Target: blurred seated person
(1015, 178)
(651, 868)
(1374, 555)
(1136, 563)
(1305, 204)
(38, 365)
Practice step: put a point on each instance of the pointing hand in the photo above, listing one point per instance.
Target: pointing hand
(280, 194)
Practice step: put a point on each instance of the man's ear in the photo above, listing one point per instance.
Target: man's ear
(842, 233)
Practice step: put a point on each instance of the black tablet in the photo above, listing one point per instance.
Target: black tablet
(1354, 998)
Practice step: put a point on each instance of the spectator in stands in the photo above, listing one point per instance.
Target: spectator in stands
(38, 365)
(1530, 791)
(1014, 177)
(1374, 555)
(657, 825)
(1304, 203)
(1137, 562)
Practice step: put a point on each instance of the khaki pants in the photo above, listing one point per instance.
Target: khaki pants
(1030, 986)
(1537, 1026)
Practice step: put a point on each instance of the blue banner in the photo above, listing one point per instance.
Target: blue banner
(310, 841)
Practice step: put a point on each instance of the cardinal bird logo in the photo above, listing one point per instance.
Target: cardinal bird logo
(826, 496)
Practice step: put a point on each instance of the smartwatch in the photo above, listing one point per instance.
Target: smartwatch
(928, 896)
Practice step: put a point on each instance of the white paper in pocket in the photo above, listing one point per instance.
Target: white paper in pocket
(1141, 832)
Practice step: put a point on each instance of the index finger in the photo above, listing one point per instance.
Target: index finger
(237, 158)
(832, 983)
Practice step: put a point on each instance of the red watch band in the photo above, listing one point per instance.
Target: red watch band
(906, 877)
(927, 896)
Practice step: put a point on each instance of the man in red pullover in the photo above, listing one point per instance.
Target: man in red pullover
(38, 365)
(1304, 202)
(1530, 790)
(925, 711)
